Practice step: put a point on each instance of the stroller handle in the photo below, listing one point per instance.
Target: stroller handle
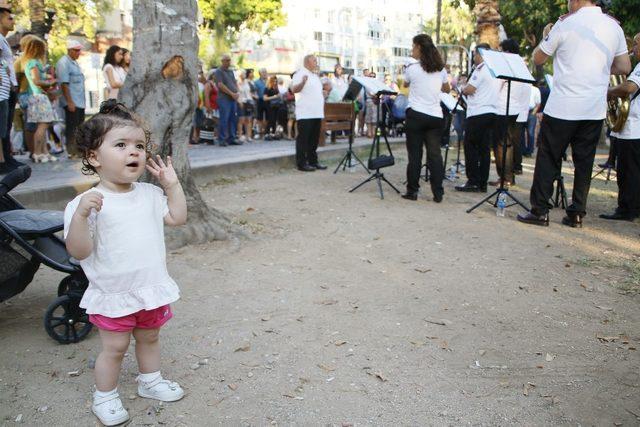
(14, 178)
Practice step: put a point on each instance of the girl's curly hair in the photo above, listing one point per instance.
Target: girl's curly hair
(90, 135)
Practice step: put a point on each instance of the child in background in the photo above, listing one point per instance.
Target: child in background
(116, 231)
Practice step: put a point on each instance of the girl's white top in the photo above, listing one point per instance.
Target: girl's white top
(127, 268)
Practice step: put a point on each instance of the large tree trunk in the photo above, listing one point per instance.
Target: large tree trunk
(161, 87)
(36, 15)
(487, 21)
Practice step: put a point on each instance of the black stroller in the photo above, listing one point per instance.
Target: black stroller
(27, 239)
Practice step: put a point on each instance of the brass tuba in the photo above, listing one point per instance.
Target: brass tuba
(617, 108)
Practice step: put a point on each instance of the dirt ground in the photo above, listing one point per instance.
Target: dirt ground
(345, 309)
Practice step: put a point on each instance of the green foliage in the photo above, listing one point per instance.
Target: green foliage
(627, 12)
(456, 24)
(78, 17)
(524, 20)
(223, 20)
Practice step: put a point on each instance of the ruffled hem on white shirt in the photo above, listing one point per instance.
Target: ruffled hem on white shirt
(123, 304)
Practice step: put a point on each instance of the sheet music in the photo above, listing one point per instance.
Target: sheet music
(504, 65)
(374, 86)
(450, 102)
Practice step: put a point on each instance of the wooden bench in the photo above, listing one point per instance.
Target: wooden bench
(338, 116)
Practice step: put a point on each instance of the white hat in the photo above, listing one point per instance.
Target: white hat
(74, 44)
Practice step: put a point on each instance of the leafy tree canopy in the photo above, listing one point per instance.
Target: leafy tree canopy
(79, 17)
(223, 20)
(456, 25)
(524, 20)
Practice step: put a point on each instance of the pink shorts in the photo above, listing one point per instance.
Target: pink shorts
(143, 319)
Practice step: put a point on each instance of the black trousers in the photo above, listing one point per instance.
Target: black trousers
(72, 121)
(6, 140)
(478, 135)
(518, 139)
(628, 175)
(307, 141)
(555, 137)
(505, 128)
(426, 130)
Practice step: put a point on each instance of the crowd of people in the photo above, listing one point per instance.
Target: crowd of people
(41, 103)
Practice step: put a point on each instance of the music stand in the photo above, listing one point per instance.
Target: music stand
(453, 106)
(378, 162)
(511, 68)
(347, 160)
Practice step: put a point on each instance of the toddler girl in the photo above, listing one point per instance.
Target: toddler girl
(116, 232)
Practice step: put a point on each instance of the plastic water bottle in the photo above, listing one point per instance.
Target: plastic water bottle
(452, 171)
(501, 204)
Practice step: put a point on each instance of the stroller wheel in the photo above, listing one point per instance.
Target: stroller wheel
(65, 321)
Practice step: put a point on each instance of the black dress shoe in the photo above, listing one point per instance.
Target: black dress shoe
(529, 218)
(437, 198)
(306, 168)
(410, 196)
(573, 220)
(235, 142)
(469, 188)
(319, 166)
(618, 216)
(517, 171)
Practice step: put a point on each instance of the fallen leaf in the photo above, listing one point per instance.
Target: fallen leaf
(291, 396)
(250, 209)
(604, 308)
(328, 302)
(417, 343)
(339, 343)
(378, 375)
(549, 357)
(441, 322)
(326, 368)
(603, 338)
(540, 366)
(444, 345)
(266, 318)
(246, 347)
(422, 270)
(233, 386)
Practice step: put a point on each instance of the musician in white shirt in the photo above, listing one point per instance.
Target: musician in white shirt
(426, 78)
(628, 145)
(482, 93)
(587, 46)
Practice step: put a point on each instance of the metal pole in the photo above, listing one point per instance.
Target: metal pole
(438, 21)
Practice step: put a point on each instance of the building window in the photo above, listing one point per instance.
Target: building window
(401, 51)
(317, 36)
(328, 38)
(330, 17)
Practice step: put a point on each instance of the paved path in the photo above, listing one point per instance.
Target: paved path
(51, 182)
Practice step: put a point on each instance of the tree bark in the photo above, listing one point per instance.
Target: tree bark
(161, 87)
(36, 15)
(487, 21)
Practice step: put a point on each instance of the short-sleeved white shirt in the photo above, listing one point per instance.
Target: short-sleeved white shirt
(518, 98)
(631, 129)
(524, 95)
(127, 268)
(424, 89)
(487, 94)
(535, 98)
(309, 101)
(583, 45)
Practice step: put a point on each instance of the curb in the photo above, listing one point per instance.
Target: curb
(58, 196)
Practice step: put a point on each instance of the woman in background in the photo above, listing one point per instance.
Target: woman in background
(113, 72)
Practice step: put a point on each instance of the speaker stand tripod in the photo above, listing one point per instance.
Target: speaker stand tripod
(379, 161)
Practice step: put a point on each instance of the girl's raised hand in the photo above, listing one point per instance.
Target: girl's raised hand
(164, 173)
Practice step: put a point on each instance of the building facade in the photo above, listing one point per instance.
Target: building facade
(372, 34)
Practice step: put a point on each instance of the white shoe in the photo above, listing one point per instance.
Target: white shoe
(109, 409)
(160, 389)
